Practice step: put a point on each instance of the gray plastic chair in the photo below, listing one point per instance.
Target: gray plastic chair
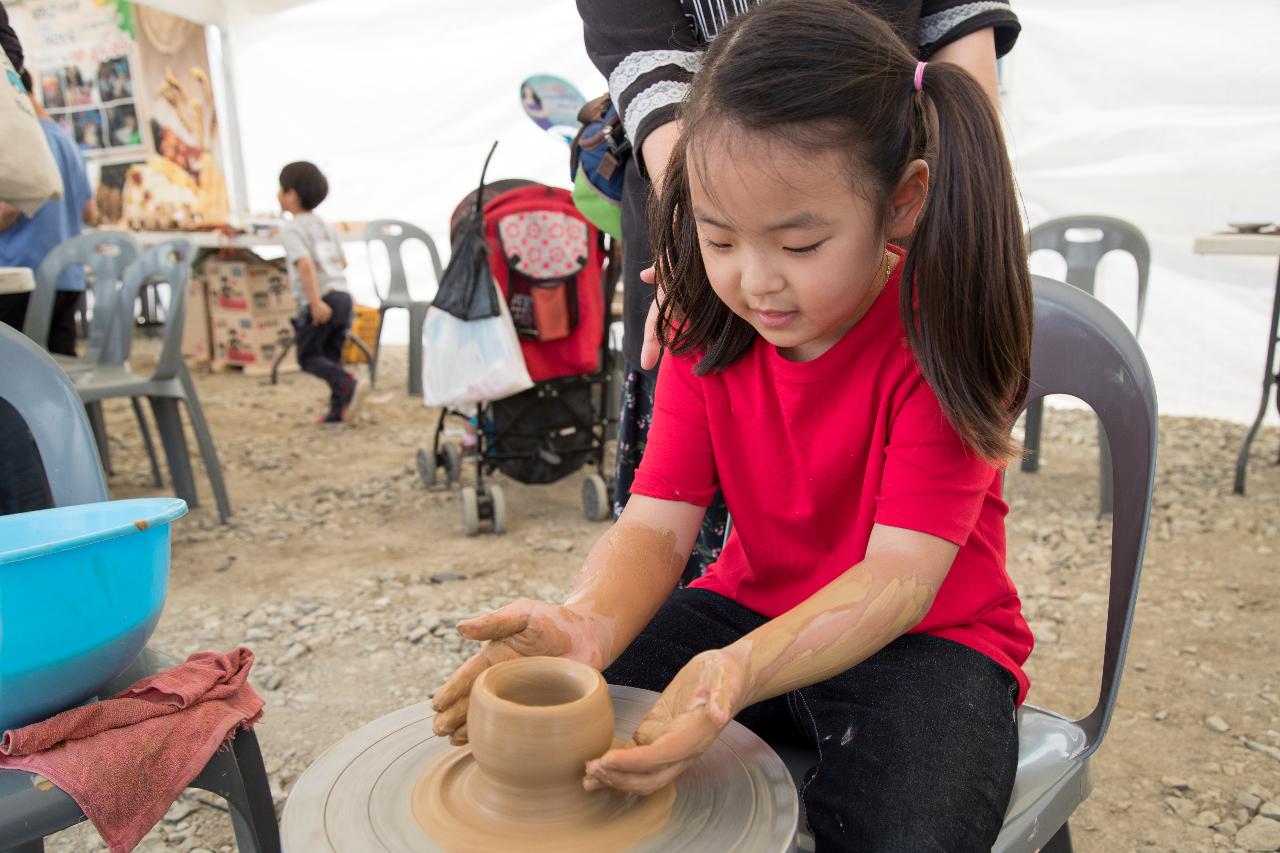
(392, 234)
(1079, 348)
(170, 382)
(41, 394)
(1082, 241)
(105, 254)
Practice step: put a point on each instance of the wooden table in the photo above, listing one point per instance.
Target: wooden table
(1252, 244)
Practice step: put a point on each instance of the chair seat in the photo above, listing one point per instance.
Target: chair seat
(105, 381)
(71, 365)
(32, 808)
(1051, 780)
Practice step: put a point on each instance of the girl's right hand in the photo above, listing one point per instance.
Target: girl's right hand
(521, 629)
(652, 347)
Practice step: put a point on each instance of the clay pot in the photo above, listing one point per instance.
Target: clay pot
(534, 723)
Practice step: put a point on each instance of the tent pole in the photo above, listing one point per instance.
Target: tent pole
(239, 183)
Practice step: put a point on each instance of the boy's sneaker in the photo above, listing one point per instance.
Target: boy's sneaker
(331, 418)
(353, 393)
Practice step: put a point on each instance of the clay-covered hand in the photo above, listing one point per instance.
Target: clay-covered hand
(700, 701)
(521, 629)
(652, 347)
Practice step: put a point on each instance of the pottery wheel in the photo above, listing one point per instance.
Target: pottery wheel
(737, 798)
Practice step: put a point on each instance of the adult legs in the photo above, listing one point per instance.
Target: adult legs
(62, 331)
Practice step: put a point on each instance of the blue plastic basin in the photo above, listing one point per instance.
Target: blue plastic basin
(81, 590)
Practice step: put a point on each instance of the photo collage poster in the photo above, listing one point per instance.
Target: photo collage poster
(132, 86)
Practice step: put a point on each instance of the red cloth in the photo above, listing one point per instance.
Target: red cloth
(811, 455)
(124, 760)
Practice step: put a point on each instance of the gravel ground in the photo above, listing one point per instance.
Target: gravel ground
(346, 577)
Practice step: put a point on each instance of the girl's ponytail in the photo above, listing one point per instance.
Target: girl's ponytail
(969, 317)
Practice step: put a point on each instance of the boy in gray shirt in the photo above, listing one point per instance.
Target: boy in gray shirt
(316, 263)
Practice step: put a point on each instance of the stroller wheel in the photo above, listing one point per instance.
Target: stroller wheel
(452, 463)
(595, 498)
(498, 507)
(470, 511)
(427, 467)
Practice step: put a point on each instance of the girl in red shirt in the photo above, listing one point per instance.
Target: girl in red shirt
(852, 400)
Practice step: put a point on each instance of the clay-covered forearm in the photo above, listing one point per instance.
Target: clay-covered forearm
(632, 569)
(838, 627)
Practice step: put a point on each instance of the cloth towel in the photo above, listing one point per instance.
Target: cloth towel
(124, 760)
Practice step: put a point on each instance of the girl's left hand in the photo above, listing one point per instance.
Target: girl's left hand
(700, 701)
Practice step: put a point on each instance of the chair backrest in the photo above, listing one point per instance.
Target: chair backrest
(44, 397)
(169, 262)
(1083, 250)
(1081, 348)
(106, 254)
(392, 234)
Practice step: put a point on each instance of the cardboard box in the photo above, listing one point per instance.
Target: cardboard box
(244, 282)
(251, 341)
(196, 347)
(365, 323)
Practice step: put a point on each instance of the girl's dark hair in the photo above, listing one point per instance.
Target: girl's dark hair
(823, 75)
(307, 181)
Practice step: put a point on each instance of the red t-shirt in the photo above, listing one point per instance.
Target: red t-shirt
(811, 455)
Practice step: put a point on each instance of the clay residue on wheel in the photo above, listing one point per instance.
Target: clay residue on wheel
(449, 809)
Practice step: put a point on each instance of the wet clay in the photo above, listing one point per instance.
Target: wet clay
(533, 723)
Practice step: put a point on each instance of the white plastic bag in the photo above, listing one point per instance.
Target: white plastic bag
(472, 361)
(29, 175)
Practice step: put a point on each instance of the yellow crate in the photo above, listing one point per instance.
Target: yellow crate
(364, 325)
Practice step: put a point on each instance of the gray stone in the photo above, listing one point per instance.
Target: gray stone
(446, 577)
(1261, 834)
(1184, 809)
(1175, 783)
(294, 652)
(1216, 723)
(1270, 810)
(1248, 801)
(180, 811)
(1207, 819)
(257, 635)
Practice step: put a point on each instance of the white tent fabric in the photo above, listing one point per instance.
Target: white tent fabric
(1166, 114)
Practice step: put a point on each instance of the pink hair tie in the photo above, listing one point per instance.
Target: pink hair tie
(919, 81)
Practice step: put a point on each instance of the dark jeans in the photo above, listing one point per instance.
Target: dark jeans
(320, 345)
(62, 331)
(917, 745)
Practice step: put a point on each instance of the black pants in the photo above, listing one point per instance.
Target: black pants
(917, 745)
(62, 331)
(320, 345)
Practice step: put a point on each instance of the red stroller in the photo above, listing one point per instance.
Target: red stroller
(558, 275)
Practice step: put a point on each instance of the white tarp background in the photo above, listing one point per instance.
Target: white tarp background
(1166, 114)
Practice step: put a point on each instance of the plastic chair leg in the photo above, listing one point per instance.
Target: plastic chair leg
(377, 344)
(169, 422)
(99, 425)
(1031, 437)
(1106, 490)
(238, 775)
(1061, 841)
(275, 365)
(417, 319)
(156, 477)
(36, 846)
(208, 451)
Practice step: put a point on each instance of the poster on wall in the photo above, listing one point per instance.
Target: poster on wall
(131, 85)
